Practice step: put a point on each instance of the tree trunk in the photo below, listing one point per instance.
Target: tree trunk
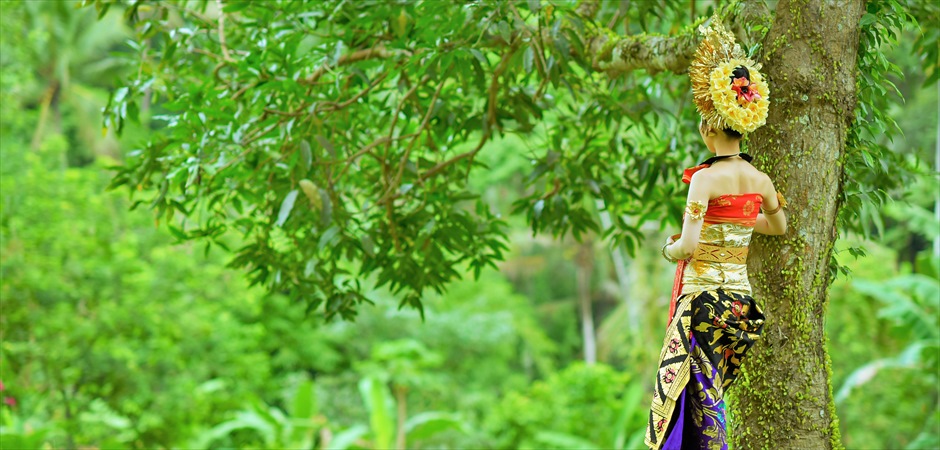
(623, 277)
(585, 261)
(47, 99)
(784, 400)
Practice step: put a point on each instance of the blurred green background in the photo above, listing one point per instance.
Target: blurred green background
(114, 335)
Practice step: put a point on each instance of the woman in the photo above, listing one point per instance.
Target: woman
(713, 319)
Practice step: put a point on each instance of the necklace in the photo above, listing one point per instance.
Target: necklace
(715, 159)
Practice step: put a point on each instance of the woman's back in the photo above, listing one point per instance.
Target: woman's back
(735, 176)
(736, 191)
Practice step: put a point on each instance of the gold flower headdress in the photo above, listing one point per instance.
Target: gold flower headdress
(723, 100)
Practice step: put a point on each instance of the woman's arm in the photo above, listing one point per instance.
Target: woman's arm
(773, 220)
(694, 219)
(761, 226)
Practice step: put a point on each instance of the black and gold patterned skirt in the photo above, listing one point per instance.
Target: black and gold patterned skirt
(705, 342)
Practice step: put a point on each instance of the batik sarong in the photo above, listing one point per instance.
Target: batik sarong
(707, 338)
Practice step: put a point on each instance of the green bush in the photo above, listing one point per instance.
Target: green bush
(582, 406)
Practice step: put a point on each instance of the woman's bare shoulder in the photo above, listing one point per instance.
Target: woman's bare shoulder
(705, 176)
(764, 184)
(765, 178)
(757, 175)
(703, 182)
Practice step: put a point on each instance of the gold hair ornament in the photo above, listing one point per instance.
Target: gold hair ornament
(725, 102)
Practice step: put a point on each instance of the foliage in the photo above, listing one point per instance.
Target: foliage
(579, 407)
(884, 324)
(874, 173)
(341, 155)
(85, 340)
(121, 334)
(342, 159)
(478, 341)
(305, 427)
(276, 429)
(74, 69)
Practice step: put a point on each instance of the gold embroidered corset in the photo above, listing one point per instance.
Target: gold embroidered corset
(720, 260)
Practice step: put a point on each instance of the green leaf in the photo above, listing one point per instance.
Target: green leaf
(558, 440)
(631, 402)
(346, 438)
(527, 59)
(306, 158)
(535, 6)
(286, 206)
(327, 145)
(236, 6)
(537, 208)
(479, 56)
(504, 31)
(427, 424)
(328, 238)
(379, 403)
(305, 404)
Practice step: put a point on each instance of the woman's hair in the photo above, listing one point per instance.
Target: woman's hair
(738, 72)
(731, 133)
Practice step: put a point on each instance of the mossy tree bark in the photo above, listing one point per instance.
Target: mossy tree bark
(785, 398)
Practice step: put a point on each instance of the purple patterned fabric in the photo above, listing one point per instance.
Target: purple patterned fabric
(700, 421)
(674, 436)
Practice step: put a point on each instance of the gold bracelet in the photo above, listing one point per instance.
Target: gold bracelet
(781, 203)
(772, 211)
(672, 260)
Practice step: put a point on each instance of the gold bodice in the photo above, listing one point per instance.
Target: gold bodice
(709, 275)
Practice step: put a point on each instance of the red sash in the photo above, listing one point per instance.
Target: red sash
(676, 286)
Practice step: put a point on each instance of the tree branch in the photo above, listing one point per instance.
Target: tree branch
(655, 53)
(404, 157)
(260, 134)
(385, 173)
(556, 187)
(538, 50)
(207, 53)
(328, 106)
(356, 56)
(443, 164)
(494, 85)
(401, 104)
(333, 106)
(617, 55)
(225, 53)
(245, 88)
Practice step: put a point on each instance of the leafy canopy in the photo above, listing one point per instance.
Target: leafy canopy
(337, 140)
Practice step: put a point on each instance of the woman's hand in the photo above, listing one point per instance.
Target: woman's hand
(669, 241)
(676, 250)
